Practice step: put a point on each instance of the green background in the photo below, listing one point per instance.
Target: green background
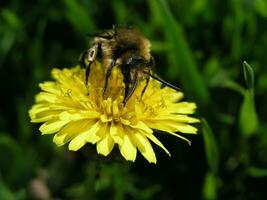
(199, 45)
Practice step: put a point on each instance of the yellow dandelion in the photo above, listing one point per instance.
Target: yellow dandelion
(79, 114)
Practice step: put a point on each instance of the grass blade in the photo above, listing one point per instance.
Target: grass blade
(211, 149)
(182, 64)
(248, 119)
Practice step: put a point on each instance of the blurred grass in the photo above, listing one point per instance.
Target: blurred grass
(212, 155)
(199, 45)
(181, 62)
(248, 120)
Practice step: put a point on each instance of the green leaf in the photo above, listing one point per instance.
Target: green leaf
(182, 64)
(17, 162)
(261, 7)
(210, 187)
(211, 149)
(248, 75)
(230, 84)
(11, 18)
(11, 30)
(257, 172)
(248, 119)
(5, 192)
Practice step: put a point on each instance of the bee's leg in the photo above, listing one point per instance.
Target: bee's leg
(90, 56)
(108, 73)
(82, 59)
(127, 81)
(151, 68)
(82, 62)
(87, 72)
(144, 89)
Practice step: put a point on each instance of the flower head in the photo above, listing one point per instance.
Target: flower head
(79, 114)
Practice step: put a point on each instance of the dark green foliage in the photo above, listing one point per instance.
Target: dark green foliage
(199, 45)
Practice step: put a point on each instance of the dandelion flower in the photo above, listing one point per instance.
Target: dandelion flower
(78, 114)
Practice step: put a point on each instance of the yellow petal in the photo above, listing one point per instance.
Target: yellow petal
(128, 148)
(37, 117)
(78, 141)
(171, 95)
(157, 142)
(115, 109)
(50, 87)
(103, 130)
(104, 118)
(142, 126)
(71, 130)
(84, 137)
(186, 128)
(41, 107)
(46, 97)
(144, 147)
(105, 145)
(92, 136)
(181, 137)
(116, 132)
(78, 115)
(138, 112)
(182, 108)
(169, 126)
(125, 121)
(174, 117)
(59, 140)
(52, 126)
(108, 104)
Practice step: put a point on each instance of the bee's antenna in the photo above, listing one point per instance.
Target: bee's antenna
(163, 81)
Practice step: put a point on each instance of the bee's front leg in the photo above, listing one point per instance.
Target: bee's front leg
(82, 58)
(144, 89)
(88, 56)
(108, 73)
(127, 81)
(150, 66)
(82, 61)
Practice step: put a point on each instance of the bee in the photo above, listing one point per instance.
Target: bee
(128, 49)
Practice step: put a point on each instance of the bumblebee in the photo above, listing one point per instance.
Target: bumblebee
(126, 48)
